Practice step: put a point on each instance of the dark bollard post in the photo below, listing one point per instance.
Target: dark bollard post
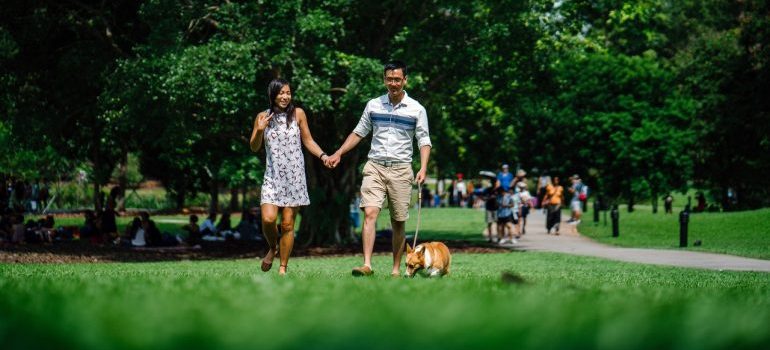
(596, 212)
(684, 218)
(615, 221)
(605, 217)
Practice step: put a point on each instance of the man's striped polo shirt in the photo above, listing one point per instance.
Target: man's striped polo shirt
(393, 128)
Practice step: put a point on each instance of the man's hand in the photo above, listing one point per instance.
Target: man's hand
(332, 161)
(420, 178)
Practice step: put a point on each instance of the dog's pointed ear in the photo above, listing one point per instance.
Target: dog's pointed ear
(408, 248)
(420, 248)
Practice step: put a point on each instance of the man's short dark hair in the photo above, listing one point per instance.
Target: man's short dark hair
(393, 65)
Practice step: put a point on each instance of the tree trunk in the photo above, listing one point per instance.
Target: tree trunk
(122, 181)
(326, 219)
(98, 205)
(244, 195)
(214, 193)
(179, 199)
(725, 199)
(233, 199)
(655, 202)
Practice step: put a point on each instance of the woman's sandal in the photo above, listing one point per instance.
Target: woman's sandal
(267, 266)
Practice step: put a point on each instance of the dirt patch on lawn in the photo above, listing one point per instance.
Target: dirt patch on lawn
(84, 252)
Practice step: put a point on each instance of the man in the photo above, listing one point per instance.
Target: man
(504, 178)
(394, 119)
(490, 204)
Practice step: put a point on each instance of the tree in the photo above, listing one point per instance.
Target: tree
(63, 51)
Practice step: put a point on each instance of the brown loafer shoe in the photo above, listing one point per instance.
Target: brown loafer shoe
(363, 271)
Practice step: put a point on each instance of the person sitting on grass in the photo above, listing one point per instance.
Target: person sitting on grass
(208, 228)
(193, 231)
(151, 233)
(225, 227)
(250, 226)
(90, 229)
(134, 235)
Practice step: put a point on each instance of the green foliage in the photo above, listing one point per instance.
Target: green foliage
(640, 97)
(71, 195)
(8, 47)
(618, 118)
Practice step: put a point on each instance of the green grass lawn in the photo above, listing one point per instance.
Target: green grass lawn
(441, 223)
(739, 233)
(566, 302)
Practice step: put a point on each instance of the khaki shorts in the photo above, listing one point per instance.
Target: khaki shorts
(395, 182)
(491, 216)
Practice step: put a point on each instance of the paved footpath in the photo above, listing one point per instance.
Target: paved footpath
(571, 242)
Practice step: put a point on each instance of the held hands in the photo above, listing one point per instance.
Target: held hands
(332, 161)
(325, 159)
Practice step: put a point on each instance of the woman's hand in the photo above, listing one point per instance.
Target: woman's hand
(262, 121)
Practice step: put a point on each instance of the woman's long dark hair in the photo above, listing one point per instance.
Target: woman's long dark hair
(273, 89)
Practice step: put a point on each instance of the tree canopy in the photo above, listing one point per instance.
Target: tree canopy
(640, 97)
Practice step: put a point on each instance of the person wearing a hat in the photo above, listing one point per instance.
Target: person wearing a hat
(522, 199)
(504, 178)
(520, 177)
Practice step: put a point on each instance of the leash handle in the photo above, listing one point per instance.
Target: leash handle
(419, 207)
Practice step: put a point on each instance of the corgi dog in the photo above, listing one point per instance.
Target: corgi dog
(431, 258)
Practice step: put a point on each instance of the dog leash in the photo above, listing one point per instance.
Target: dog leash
(419, 207)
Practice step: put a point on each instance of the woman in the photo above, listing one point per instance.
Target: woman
(284, 129)
(554, 194)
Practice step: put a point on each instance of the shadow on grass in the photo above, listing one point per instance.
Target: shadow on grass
(85, 252)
